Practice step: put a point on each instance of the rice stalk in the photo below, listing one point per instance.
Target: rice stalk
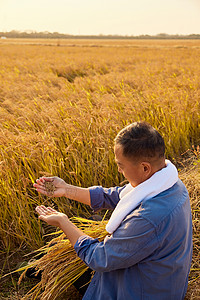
(60, 265)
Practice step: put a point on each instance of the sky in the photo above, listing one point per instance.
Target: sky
(94, 17)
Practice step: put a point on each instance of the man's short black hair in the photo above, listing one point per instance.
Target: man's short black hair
(141, 140)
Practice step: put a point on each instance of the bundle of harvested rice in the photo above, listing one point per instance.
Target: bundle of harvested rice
(60, 264)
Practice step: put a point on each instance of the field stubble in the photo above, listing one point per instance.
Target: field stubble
(61, 107)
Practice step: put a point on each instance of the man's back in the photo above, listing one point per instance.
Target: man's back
(148, 256)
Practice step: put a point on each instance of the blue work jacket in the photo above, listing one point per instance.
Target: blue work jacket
(148, 257)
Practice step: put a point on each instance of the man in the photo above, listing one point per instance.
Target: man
(149, 251)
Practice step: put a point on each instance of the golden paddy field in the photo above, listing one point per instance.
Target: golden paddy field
(61, 104)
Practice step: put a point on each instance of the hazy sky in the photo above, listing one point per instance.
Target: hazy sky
(126, 17)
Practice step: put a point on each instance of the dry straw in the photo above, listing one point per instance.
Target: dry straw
(60, 265)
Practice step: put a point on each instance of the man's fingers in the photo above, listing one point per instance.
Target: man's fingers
(40, 181)
(43, 210)
(50, 179)
(48, 215)
(39, 210)
(43, 218)
(40, 186)
(51, 209)
(40, 189)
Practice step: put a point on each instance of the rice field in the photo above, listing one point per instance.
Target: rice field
(61, 104)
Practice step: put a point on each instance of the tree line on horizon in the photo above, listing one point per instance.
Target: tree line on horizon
(57, 35)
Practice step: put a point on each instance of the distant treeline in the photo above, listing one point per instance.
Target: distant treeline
(57, 35)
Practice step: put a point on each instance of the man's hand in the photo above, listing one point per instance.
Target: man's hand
(51, 216)
(62, 189)
(55, 218)
(59, 185)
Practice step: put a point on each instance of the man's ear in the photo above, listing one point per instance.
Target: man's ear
(147, 168)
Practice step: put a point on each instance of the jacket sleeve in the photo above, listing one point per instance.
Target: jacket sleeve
(131, 243)
(104, 197)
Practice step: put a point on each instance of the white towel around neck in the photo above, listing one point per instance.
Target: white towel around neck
(131, 197)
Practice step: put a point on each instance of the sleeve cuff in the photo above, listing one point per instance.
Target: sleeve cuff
(96, 201)
(82, 244)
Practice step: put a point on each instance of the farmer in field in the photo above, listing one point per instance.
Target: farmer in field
(148, 251)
